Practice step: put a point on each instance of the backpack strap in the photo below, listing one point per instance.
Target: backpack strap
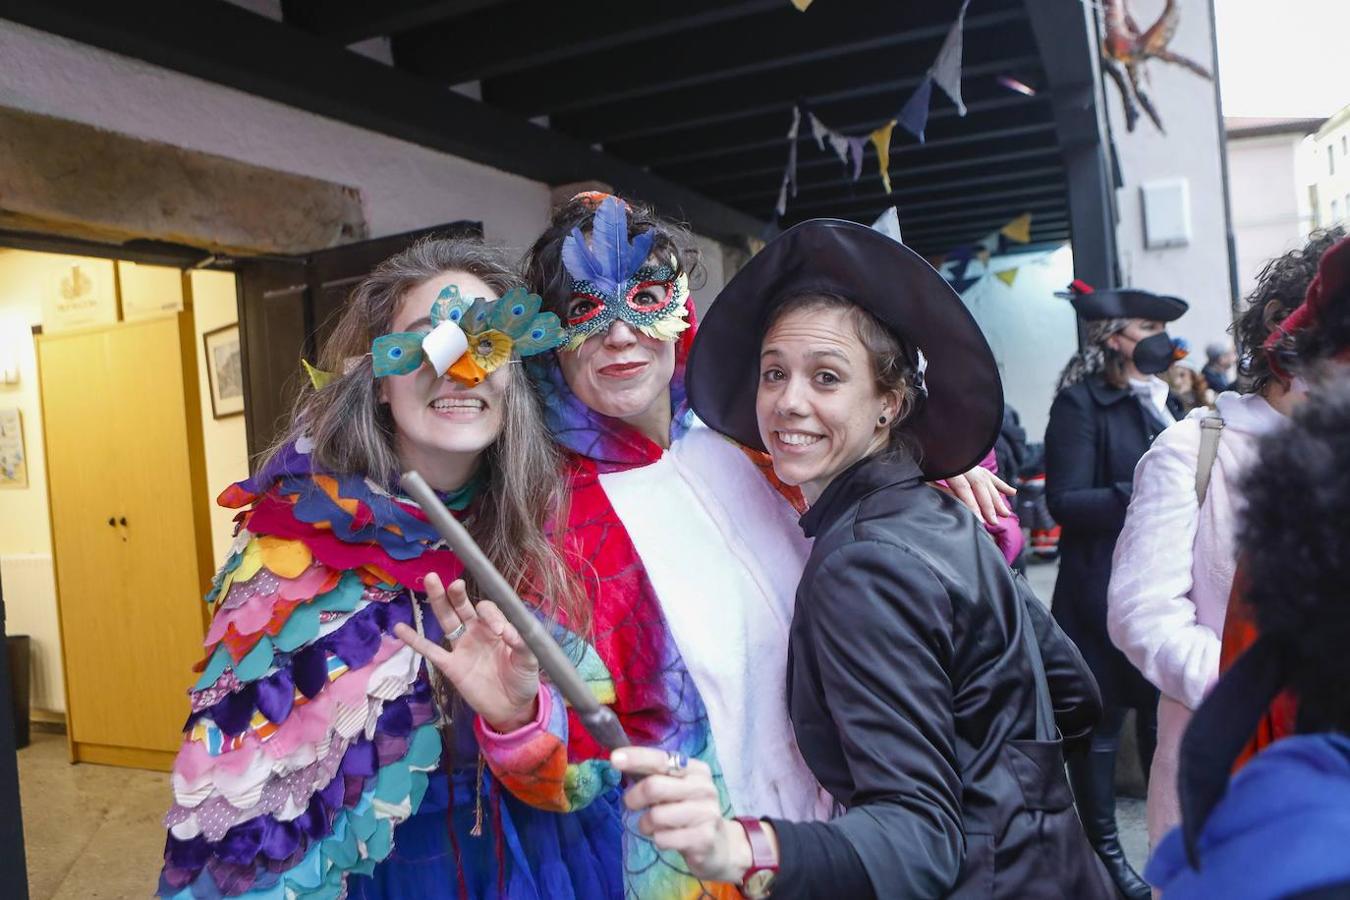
(1211, 427)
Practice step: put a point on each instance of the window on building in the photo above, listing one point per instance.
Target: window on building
(1345, 145)
(1331, 159)
(1335, 211)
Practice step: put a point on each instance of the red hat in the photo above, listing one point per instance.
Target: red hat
(1331, 286)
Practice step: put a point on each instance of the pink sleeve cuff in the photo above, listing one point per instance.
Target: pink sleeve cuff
(490, 739)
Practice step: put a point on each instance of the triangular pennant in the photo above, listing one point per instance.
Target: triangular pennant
(914, 116)
(881, 139)
(1019, 229)
(818, 130)
(888, 223)
(946, 69)
(855, 152)
(781, 206)
(792, 148)
(1003, 243)
(961, 285)
(802, 4)
(1007, 276)
(838, 143)
(960, 262)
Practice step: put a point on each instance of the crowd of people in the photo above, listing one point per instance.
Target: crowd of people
(774, 545)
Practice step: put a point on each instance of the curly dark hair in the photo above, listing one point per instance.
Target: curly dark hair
(1284, 281)
(1297, 552)
(543, 266)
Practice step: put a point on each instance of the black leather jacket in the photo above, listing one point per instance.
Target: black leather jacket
(914, 702)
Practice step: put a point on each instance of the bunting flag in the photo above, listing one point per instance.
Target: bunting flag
(914, 115)
(818, 131)
(1007, 276)
(855, 152)
(790, 174)
(1019, 229)
(961, 285)
(881, 139)
(946, 70)
(888, 223)
(1013, 84)
(839, 144)
(802, 4)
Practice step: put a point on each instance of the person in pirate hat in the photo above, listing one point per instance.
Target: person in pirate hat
(1110, 406)
(925, 684)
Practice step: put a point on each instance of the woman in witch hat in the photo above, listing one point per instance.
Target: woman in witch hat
(917, 687)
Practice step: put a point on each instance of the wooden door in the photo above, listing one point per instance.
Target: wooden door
(288, 306)
(120, 412)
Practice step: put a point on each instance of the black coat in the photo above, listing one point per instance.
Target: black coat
(1095, 437)
(913, 699)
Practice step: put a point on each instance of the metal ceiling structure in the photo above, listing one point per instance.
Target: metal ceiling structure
(684, 103)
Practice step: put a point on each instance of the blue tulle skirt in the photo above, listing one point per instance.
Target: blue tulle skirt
(523, 853)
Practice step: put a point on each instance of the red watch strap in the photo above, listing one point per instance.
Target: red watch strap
(762, 855)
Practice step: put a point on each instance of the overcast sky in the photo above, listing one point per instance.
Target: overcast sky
(1284, 57)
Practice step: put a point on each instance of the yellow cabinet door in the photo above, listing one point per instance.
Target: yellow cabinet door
(119, 432)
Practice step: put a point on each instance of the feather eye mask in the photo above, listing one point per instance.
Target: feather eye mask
(612, 280)
(470, 339)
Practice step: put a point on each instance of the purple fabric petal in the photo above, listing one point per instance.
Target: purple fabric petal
(360, 760)
(235, 712)
(233, 879)
(241, 843)
(280, 839)
(390, 748)
(276, 695)
(309, 670)
(356, 642)
(395, 719)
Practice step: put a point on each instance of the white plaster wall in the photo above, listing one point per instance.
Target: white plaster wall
(1198, 273)
(214, 304)
(403, 186)
(1271, 210)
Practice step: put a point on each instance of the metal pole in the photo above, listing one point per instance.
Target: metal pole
(599, 719)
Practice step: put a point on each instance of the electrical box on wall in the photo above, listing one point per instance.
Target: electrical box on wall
(1167, 213)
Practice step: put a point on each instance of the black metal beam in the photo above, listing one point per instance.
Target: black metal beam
(730, 173)
(350, 21)
(974, 230)
(222, 43)
(766, 132)
(714, 54)
(1025, 199)
(956, 189)
(1066, 33)
(555, 32)
(692, 109)
(843, 183)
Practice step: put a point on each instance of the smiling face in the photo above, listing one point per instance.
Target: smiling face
(442, 427)
(818, 404)
(621, 372)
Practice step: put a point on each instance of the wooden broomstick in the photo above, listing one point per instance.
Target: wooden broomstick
(599, 719)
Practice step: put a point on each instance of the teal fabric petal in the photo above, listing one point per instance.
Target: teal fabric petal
(257, 662)
(219, 662)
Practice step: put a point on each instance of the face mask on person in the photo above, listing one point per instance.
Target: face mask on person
(1154, 354)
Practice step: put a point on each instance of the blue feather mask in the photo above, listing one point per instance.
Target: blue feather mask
(612, 280)
(470, 339)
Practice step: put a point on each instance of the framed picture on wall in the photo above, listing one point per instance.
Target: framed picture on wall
(13, 464)
(225, 371)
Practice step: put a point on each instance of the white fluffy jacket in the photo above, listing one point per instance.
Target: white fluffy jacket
(1173, 571)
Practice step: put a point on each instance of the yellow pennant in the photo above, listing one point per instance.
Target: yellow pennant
(1007, 276)
(881, 139)
(1019, 229)
(801, 4)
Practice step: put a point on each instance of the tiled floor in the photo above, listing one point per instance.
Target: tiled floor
(93, 832)
(90, 832)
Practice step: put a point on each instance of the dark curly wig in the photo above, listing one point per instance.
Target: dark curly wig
(1285, 281)
(543, 265)
(1295, 547)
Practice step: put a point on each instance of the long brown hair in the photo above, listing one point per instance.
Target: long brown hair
(352, 432)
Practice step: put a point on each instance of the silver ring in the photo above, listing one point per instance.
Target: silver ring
(677, 764)
(458, 633)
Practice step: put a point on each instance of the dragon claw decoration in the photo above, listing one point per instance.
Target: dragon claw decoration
(1125, 49)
